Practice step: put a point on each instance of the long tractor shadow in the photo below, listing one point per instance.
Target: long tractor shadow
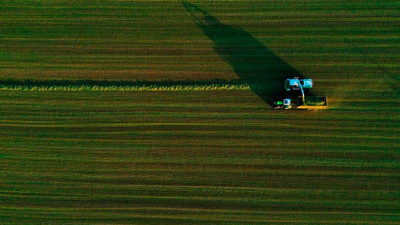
(255, 64)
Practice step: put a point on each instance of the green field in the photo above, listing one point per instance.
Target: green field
(156, 112)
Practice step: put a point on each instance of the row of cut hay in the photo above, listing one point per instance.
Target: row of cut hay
(201, 87)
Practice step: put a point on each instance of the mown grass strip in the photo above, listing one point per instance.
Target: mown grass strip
(129, 88)
(93, 85)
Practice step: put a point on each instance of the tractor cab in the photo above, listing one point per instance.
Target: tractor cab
(287, 103)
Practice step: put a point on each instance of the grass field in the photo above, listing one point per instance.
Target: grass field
(193, 157)
(122, 112)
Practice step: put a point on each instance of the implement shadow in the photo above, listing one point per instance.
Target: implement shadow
(255, 64)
